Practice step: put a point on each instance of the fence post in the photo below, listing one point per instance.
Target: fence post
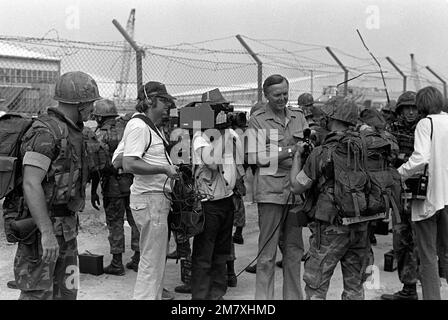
(312, 82)
(342, 67)
(259, 66)
(140, 52)
(399, 71)
(440, 78)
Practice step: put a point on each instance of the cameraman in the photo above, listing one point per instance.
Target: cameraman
(215, 179)
(146, 157)
(271, 191)
(431, 214)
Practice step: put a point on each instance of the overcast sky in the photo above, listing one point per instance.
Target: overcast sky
(400, 27)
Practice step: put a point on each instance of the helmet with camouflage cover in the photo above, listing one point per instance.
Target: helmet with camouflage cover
(76, 87)
(305, 100)
(405, 99)
(390, 106)
(342, 109)
(105, 108)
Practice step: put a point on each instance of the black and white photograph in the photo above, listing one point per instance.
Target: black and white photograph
(226, 150)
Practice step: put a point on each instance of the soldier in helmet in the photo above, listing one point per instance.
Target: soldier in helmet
(404, 246)
(330, 242)
(115, 187)
(389, 112)
(54, 178)
(305, 100)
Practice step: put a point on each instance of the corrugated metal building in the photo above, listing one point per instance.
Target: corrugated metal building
(27, 79)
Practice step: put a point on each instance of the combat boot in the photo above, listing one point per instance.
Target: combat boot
(12, 284)
(409, 292)
(116, 267)
(231, 276)
(183, 288)
(133, 264)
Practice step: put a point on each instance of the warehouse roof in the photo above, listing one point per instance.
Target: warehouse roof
(242, 87)
(14, 51)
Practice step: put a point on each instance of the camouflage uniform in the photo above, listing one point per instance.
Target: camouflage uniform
(55, 280)
(403, 237)
(331, 242)
(345, 244)
(239, 219)
(115, 189)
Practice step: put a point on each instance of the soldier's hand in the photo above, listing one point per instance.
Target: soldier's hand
(50, 247)
(172, 171)
(95, 201)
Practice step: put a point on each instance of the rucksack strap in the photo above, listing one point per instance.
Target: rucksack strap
(395, 209)
(61, 135)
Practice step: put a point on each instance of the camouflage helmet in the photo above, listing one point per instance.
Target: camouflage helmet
(305, 100)
(405, 99)
(76, 87)
(342, 109)
(105, 108)
(390, 106)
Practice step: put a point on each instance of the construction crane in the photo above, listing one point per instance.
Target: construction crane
(122, 83)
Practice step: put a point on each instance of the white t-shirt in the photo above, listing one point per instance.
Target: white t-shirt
(136, 138)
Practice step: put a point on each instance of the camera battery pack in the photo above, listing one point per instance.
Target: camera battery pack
(91, 264)
(390, 262)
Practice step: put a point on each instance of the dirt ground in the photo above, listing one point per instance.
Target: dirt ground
(93, 238)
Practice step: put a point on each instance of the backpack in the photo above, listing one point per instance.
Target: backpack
(384, 188)
(114, 133)
(12, 129)
(345, 164)
(365, 185)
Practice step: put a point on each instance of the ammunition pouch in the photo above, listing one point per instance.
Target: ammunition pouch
(8, 167)
(25, 230)
(303, 211)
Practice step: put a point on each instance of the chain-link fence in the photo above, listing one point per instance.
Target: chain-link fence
(29, 68)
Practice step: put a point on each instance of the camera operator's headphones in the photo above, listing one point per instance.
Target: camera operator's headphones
(149, 99)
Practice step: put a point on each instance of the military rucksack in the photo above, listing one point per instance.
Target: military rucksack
(384, 188)
(111, 133)
(365, 185)
(12, 129)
